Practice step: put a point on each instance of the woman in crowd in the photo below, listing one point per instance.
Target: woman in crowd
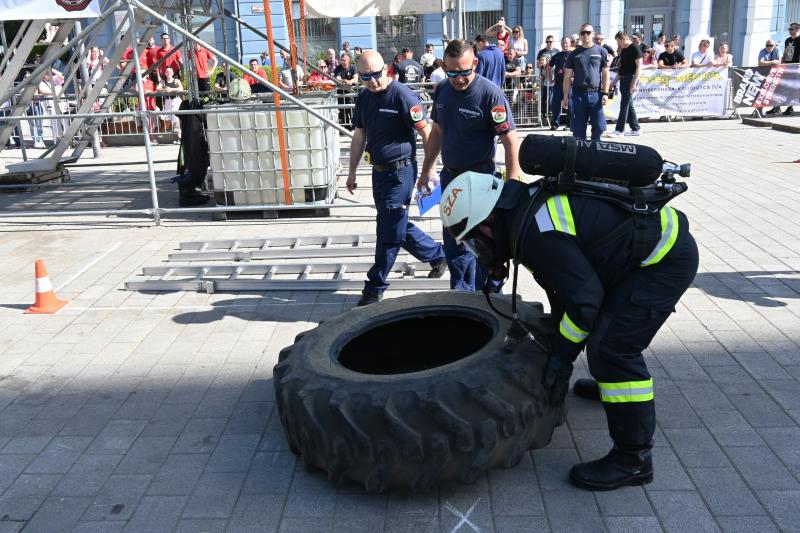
(318, 81)
(723, 58)
(95, 64)
(438, 74)
(520, 45)
(649, 59)
(502, 33)
(172, 102)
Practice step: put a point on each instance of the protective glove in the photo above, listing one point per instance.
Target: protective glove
(556, 378)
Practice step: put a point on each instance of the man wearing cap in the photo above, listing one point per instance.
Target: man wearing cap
(386, 118)
(408, 70)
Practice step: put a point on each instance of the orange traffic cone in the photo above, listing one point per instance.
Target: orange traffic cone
(46, 301)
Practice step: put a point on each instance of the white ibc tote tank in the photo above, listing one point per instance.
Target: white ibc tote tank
(245, 154)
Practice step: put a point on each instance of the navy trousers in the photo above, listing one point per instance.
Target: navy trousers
(587, 106)
(392, 194)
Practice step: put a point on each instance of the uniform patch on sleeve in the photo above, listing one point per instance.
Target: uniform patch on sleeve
(499, 114)
(500, 128)
(416, 113)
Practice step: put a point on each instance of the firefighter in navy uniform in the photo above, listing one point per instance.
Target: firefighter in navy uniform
(386, 118)
(613, 278)
(469, 114)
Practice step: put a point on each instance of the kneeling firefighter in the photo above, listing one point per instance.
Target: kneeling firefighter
(614, 260)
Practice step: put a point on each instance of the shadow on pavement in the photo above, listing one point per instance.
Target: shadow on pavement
(762, 288)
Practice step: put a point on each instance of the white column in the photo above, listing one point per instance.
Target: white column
(760, 17)
(549, 21)
(699, 27)
(610, 18)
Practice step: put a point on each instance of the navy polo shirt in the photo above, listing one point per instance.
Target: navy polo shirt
(470, 120)
(409, 71)
(492, 64)
(390, 119)
(587, 65)
(557, 62)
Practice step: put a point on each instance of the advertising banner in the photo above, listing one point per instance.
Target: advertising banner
(690, 92)
(48, 9)
(766, 86)
(374, 8)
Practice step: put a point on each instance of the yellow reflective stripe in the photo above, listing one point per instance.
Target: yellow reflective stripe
(561, 214)
(626, 391)
(669, 233)
(572, 332)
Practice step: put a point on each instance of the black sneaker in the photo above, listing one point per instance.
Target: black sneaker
(789, 111)
(554, 127)
(369, 298)
(437, 269)
(773, 111)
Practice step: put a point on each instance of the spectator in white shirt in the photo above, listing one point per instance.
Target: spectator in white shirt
(723, 58)
(659, 47)
(703, 57)
(438, 74)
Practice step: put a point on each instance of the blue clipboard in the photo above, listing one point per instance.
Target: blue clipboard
(425, 203)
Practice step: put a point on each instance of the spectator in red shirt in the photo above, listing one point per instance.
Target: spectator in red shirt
(151, 55)
(255, 85)
(201, 59)
(174, 61)
(127, 56)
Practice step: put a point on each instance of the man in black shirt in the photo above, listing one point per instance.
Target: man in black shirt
(408, 70)
(791, 54)
(630, 67)
(345, 73)
(513, 69)
(556, 69)
(671, 57)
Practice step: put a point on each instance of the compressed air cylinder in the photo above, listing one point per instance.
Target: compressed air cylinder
(633, 164)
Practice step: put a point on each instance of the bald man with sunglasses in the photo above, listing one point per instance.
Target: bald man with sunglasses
(386, 118)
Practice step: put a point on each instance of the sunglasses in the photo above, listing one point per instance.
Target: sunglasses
(366, 76)
(769, 45)
(457, 73)
(549, 42)
(586, 32)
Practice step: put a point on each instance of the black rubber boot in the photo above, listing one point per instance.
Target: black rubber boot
(437, 269)
(621, 467)
(586, 388)
(189, 197)
(369, 298)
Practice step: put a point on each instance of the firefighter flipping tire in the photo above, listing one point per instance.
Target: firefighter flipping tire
(414, 391)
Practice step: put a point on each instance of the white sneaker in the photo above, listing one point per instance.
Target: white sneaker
(38, 144)
(633, 133)
(613, 133)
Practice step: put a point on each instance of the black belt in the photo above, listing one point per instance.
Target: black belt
(585, 89)
(485, 168)
(392, 165)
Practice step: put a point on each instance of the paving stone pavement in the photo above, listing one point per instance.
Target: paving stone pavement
(135, 412)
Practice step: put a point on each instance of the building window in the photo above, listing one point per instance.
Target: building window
(576, 13)
(476, 22)
(320, 35)
(397, 32)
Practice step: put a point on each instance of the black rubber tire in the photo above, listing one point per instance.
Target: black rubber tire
(414, 430)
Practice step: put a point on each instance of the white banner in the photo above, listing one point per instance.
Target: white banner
(48, 9)
(690, 92)
(373, 8)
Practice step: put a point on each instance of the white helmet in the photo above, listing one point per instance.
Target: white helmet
(467, 201)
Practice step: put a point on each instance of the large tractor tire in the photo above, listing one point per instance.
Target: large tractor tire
(413, 391)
